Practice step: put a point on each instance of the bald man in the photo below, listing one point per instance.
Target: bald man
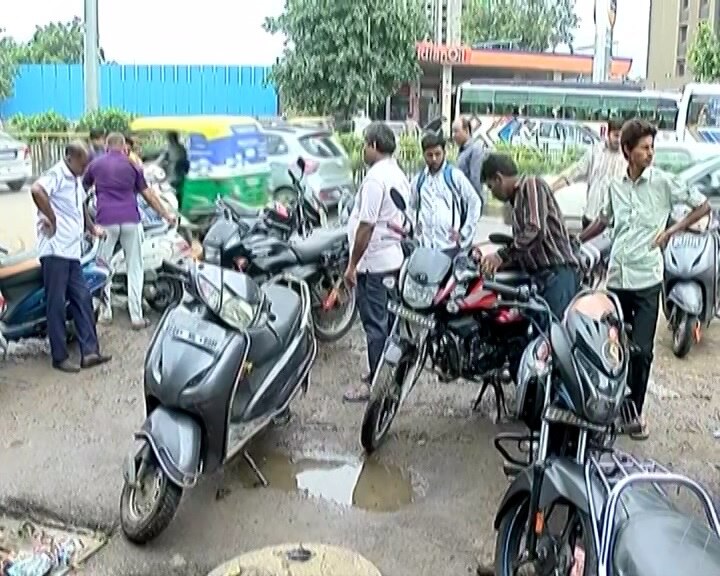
(470, 155)
(62, 221)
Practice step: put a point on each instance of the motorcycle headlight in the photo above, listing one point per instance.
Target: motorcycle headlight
(603, 395)
(417, 296)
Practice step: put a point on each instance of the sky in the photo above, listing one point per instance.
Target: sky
(220, 32)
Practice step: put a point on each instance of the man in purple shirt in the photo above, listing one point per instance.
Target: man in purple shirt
(117, 181)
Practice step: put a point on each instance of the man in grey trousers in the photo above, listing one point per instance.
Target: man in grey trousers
(470, 155)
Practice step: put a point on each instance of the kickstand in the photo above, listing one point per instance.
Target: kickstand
(496, 384)
(260, 476)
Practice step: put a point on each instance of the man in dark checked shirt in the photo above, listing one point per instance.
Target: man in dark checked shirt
(541, 244)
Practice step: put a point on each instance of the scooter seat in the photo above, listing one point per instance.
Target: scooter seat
(26, 271)
(309, 250)
(655, 539)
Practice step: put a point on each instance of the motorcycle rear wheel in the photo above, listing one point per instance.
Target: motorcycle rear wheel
(348, 313)
(510, 534)
(140, 527)
(383, 404)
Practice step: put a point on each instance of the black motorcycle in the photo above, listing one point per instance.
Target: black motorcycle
(612, 514)
(221, 366)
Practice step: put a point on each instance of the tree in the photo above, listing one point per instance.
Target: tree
(8, 68)
(337, 52)
(55, 43)
(535, 25)
(704, 54)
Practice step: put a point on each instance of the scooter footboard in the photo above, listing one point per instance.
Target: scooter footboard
(175, 439)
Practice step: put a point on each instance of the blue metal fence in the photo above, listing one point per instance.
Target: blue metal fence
(145, 90)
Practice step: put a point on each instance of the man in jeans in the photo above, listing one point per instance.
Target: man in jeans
(117, 181)
(637, 207)
(375, 250)
(470, 156)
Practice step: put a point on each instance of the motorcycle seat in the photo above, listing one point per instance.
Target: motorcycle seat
(309, 250)
(655, 539)
(240, 210)
(20, 272)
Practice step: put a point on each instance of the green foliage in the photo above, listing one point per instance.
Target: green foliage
(108, 119)
(54, 43)
(8, 67)
(45, 122)
(704, 54)
(535, 25)
(340, 51)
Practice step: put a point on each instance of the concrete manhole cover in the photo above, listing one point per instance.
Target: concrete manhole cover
(298, 560)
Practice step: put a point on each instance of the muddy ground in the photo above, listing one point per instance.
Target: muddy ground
(63, 439)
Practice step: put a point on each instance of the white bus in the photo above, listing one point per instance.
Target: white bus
(553, 115)
(699, 114)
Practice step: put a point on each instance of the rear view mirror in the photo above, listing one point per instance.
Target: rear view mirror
(397, 199)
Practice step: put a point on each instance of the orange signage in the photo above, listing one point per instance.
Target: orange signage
(515, 60)
(443, 53)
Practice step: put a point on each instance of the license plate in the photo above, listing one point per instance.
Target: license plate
(184, 335)
(410, 316)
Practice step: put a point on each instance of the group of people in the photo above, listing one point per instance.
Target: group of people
(445, 202)
(112, 168)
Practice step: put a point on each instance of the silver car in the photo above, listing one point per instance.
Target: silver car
(328, 172)
(15, 162)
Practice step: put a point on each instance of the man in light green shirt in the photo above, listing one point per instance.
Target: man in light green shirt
(637, 208)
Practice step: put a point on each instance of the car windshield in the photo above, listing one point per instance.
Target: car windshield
(321, 145)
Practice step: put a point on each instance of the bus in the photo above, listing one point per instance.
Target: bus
(556, 115)
(699, 114)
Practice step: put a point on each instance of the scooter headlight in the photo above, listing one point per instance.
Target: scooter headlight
(209, 293)
(234, 311)
(416, 295)
(211, 254)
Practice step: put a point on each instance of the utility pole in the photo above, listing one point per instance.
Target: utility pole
(601, 58)
(453, 37)
(92, 56)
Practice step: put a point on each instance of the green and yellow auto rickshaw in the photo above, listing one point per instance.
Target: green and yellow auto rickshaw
(226, 157)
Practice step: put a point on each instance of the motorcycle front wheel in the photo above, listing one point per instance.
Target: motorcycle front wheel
(147, 508)
(682, 337)
(512, 534)
(383, 404)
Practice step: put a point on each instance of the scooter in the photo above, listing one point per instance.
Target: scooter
(691, 283)
(22, 295)
(221, 367)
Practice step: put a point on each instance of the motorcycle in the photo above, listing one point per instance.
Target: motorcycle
(319, 258)
(22, 294)
(691, 282)
(446, 311)
(221, 366)
(572, 396)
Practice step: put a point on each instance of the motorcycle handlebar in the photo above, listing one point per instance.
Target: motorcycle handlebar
(519, 293)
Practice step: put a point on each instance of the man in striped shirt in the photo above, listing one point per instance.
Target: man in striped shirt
(541, 244)
(600, 164)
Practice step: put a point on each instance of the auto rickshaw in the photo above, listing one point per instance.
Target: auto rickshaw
(227, 157)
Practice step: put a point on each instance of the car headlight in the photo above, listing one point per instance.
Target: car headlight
(417, 296)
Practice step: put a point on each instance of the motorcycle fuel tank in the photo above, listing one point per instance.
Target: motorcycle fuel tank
(428, 267)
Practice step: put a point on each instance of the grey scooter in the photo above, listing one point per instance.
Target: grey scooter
(691, 284)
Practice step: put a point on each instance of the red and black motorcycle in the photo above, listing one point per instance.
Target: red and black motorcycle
(445, 310)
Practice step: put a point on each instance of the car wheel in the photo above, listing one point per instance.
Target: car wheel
(16, 185)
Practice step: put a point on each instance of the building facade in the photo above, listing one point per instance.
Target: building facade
(672, 26)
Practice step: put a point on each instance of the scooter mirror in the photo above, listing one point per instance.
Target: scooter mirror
(397, 199)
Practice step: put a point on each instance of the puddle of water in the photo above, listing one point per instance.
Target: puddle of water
(346, 481)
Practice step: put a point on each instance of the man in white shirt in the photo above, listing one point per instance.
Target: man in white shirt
(62, 221)
(375, 251)
(443, 202)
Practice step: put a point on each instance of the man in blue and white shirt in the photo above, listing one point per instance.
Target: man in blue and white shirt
(443, 202)
(62, 221)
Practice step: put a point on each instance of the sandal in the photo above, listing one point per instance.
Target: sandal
(643, 434)
(140, 324)
(357, 394)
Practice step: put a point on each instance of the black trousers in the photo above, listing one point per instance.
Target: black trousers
(640, 310)
(65, 286)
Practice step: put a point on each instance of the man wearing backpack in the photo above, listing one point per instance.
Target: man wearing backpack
(443, 202)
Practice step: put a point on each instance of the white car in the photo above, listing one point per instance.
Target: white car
(15, 162)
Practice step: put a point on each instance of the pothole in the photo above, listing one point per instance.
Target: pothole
(347, 481)
(32, 548)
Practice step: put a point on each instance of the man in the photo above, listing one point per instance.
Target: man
(541, 245)
(637, 207)
(132, 149)
(177, 165)
(117, 181)
(443, 202)
(470, 155)
(62, 221)
(97, 144)
(375, 251)
(597, 167)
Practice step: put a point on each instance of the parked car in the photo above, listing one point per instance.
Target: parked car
(15, 162)
(677, 157)
(327, 165)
